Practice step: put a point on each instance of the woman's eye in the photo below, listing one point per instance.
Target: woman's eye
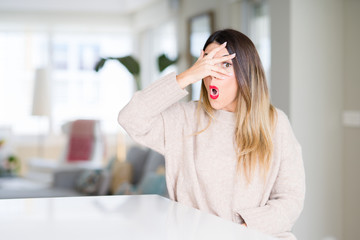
(226, 64)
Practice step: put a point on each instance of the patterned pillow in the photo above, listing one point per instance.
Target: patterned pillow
(89, 182)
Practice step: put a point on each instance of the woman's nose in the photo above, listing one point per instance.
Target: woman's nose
(212, 79)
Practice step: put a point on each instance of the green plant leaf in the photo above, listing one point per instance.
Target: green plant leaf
(164, 62)
(100, 64)
(131, 64)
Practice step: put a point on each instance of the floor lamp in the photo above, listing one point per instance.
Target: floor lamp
(41, 101)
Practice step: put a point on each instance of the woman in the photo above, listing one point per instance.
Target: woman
(231, 153)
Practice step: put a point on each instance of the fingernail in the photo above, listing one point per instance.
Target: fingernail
(224, 43)
(233, 54)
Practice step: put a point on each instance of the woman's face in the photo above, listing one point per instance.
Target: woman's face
(222, 93)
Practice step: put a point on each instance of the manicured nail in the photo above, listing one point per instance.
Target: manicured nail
(224, 43)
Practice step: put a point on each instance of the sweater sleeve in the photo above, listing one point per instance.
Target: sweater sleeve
(142, 117)
(286, 199)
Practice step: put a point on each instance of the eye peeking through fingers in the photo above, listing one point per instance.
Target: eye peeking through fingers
(226, 64)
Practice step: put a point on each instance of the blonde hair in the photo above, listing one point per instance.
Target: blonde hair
(255, 116)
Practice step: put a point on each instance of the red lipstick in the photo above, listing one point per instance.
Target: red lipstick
(214, 92)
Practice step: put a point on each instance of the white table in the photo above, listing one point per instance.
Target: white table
(140, 217)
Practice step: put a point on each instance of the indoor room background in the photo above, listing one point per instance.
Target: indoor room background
(309, 48)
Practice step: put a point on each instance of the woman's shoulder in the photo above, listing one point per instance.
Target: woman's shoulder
(284, 128)
(282, 121)
(281, 116)
(182, 108)
(280, 113)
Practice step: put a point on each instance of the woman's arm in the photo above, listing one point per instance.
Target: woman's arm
(142, 117)
(287, 196)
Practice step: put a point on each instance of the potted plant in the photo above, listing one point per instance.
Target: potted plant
(133, 66)
(10, 166)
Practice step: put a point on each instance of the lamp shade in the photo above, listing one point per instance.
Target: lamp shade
(42, 98)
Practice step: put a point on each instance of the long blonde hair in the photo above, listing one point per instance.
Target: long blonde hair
(255, 116)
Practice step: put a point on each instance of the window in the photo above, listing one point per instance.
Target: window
(77, 90)
(20, 54)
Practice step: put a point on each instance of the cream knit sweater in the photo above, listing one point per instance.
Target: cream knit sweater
(201, 169)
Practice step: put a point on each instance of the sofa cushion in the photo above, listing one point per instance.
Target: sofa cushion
(126, 188)
(153, 161)
(136, 156)
(66, 178)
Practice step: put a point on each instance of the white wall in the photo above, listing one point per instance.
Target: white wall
(280, 57)
(316, 94)
(64, 20)
(351, 134)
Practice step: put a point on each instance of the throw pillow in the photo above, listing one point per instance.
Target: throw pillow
(121, 172)
(154, 160)
(89, 182)
(153, 183)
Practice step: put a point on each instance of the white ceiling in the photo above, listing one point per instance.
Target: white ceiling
(111, 6)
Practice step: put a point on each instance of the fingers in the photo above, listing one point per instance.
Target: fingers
(219, 75)
(221, 70)
(223, 59)
(215, 50)
(201, 55)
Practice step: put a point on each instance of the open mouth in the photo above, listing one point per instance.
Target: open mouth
(214, 92)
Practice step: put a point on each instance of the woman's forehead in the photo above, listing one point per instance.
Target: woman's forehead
(220, 53)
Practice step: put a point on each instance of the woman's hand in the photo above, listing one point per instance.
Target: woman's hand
(206, 65)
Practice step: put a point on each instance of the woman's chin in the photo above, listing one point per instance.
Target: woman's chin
(215, 105)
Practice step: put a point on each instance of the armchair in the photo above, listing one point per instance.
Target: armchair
(84, 149)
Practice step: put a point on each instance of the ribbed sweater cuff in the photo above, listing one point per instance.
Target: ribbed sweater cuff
(162, 94)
